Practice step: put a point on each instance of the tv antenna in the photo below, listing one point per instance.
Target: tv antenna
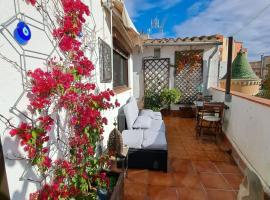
(156, 26)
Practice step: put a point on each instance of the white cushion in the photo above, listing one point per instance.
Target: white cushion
(154, 140)
(131, 99)
(135, 107)
(142, 122)
(211, 118)
(133, 138)
(147, 112)
(157, 126)
(131, 114)
(157, 114)
(150, 113)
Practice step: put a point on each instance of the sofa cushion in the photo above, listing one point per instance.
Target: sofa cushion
(147, 112)
(133, 101)
(131, 114)
(133, 138)
(151, 113)
(154, 140)
(157, 125)
(142, 122)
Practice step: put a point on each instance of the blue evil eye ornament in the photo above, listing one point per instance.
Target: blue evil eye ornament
(22, 33)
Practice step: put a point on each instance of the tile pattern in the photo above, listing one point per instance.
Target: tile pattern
(198, 170)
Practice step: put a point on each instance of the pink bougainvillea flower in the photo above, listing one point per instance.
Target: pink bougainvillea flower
(33, 2)
(62, 86)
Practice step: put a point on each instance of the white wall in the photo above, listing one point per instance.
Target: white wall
(247, 127)
(210, 77)
(11, 82)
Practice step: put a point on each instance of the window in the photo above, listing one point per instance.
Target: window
(120, 70)
(157, 52)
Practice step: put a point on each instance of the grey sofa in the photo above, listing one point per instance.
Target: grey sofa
(145, 133)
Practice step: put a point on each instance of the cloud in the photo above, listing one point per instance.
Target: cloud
(167, 4)
(227, 17)
(197, 7)
(158, 35)
(136, 7)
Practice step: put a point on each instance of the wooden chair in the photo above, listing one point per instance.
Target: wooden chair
(210, 118)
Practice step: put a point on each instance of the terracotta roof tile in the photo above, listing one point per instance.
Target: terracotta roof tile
(203, 38)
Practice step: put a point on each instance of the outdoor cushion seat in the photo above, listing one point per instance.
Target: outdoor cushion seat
(142, 122)
(146, 137)
(211, 118)
(133, 138)
(154, 140)
(131, 113)
(158, 126)
(150, 113)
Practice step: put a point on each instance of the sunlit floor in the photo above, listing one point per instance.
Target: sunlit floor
(198, 170)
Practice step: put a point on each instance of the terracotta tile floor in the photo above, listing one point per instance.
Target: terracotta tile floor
(198, 170)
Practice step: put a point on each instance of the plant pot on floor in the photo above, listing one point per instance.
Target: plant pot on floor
(187, 111)
(116, 187)
(165, 112)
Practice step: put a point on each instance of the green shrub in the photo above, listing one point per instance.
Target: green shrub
(169, 96)
(152, 101)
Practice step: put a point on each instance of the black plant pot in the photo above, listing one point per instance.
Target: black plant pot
(165, 112)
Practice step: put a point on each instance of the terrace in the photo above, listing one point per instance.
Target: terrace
(55, 122)
(201, 168)
(198, 169)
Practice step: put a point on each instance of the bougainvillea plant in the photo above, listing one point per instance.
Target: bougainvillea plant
(62, 88)
(192, 58)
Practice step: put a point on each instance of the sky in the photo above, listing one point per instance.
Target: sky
(246, 20)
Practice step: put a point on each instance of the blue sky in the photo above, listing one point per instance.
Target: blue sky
(247, 20)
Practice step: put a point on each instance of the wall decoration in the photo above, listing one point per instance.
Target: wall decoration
(105, 61)
(22, 33)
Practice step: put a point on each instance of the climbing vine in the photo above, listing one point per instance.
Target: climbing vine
(192, 58)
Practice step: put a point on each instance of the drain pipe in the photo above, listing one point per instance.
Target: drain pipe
(208, 69)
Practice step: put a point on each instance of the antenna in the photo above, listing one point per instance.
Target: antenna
(156, 26)
(155, 23)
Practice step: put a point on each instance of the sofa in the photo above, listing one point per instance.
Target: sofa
(145, 134)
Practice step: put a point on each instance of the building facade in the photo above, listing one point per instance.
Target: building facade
(189, 79)
(261, 67)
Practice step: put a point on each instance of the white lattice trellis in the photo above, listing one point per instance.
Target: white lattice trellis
(156, 74)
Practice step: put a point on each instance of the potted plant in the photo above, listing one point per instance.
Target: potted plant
(169, 96)
(152, 101)
(115, 189)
